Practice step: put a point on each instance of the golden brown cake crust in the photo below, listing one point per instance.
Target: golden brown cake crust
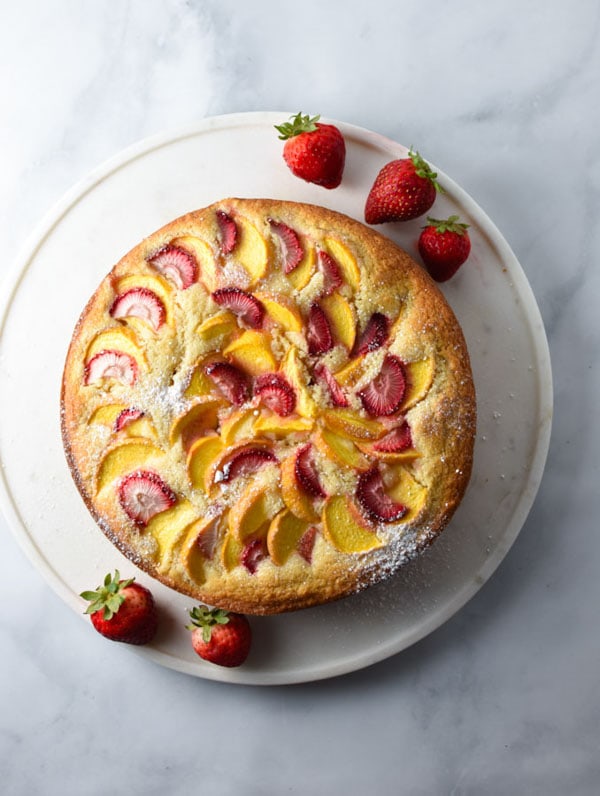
(439, 407)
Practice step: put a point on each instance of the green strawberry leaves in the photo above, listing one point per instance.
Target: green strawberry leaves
(450, 224)
(299, 124)
(107, 597)
(423, 169)
(205, 617)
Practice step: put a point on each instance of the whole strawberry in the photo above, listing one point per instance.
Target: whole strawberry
(403, 189)
(219, 636)
(314, 152)
(444, 246)
(122, 610)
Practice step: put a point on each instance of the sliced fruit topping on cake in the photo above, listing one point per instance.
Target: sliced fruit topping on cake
(215, 331)
(231, 552)
(139, 302)
(276, 393)
(252, 250)
(251, 352)
(295, 372)
(253, 553)
(274, 425)
(107, 414)
(251, 513)
(419, 379)
(318, 332)
(228, 233)
(195, 421)
(284, 535)
(336, 393)
(247, 307)
(168, 528)
(297, 500)
(373, 336)
(345, 528)
(349, 423)
(126, 417)
(281, 311)
(230, 381)
(120, 339)
(291, 248)
(339, 449)
(332, 276)
(238, 425)
(209, 270)
(306, 472)
(379, 506)
(111, 365)
(244, 462)
(341, 319)
(306, 545)
(398, 439)
(199, 546)
(404, 488)
(383, 396)
(201, 461)
(345, 260)
(125, 457)
(303, 273)
(177, 265)
(143, 494)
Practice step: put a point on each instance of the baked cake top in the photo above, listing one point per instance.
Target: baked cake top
(268, 405)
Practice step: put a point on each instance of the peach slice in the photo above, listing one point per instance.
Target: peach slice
(216, 470)
(200, 460)
(107, 414)
(251, 352)
(282, 426)
(195, 421)
(344, 527)
(402, 487)
(294, 497)
(198, 546)
(351, 373)
(116, 338)
(169, 526)
(341, 319)
(231, 552)
(419, 380)
(124, 458)
(199, 384)
(281, 311)
(255, 508)
(140, 427)
(285, 531)
(252, 250)
(205, 258)
(216, 330)
(238, 425)
(339, 449)
(302, 274)
(346, 261)
(293, 369)
(349, 423)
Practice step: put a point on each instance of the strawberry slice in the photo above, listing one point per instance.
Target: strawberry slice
(306, 472)
(126, 417)
(332, 276)
(253, 553)
(307, 543)
(143, 494)
(276, 393)
(177, 265)
(371, 496)
(228, 230)
(109, 364)
(373, 336)
(398, 439)
(140, 302)
(245, 462)
(384, 394)
(290, 244)
(230, 381)
(318, 336)
(336, 393)
(246, 306)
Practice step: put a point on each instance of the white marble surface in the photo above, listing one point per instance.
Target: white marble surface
(504, 698)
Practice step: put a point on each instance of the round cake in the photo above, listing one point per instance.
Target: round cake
(267, 405)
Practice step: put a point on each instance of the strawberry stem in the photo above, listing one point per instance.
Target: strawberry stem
(299, 124)
(450, 224)
(423, 169)
(205, 617)
(108, 597)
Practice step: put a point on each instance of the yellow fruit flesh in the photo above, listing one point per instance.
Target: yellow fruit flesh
(407, 490)
(419, 380)
(238, 425)
(346, 261)
(197, 420)
(302, 274)
(191, 555)
(231, 552)
(201, 456)
(125, 458)
(284, 533)
(339, 449)
(347, 422)
(251, 352)
(343, 528)
(116, 339)
(216, 330)
(107, 414)
(252, 511)
(297, 501)
(293, 370)
(282, 426)
(207, 267)
(251, 250)
(282, 312)
(341, 319)
(168, 526)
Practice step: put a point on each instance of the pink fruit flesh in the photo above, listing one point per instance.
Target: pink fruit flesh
(332, 276)
(228, 231)
(318, 335)
(336, 393)
(398, 439)
(253, 553)
(246, 306)
(307, 543)
(371, 496)
(384, 394)
(245, 462)
(276, 393)
(177, 265)
(290, 244)
(374, 335)
(143, 494)
(126, 417)
(230, 381)
(306, 473)
(109, 364)
(140, 302)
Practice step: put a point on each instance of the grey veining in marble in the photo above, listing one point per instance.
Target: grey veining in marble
(505, 697)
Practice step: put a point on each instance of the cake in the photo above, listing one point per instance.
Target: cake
(267, 405)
